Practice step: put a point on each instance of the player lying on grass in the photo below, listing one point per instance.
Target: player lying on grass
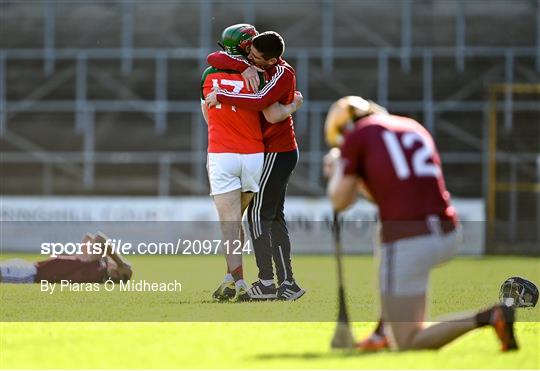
(399, 167)
(78, 268)
(235, 155)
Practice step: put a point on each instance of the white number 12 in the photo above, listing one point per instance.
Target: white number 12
(420, 165)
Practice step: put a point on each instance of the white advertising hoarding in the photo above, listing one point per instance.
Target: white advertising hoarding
(25, 221)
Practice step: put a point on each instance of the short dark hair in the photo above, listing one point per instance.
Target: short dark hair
(270, 44)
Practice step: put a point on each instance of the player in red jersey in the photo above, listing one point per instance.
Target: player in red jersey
(80, 268)
(235, 154)
(399, 168)
(265, 214)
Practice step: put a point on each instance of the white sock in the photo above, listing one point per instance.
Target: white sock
(287, 283)
(240, 283)
(228, 278)
(266, 282)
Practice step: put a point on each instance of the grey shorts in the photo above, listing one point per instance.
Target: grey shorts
(404, 265)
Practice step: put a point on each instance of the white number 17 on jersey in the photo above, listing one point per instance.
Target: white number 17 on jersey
(237, 87)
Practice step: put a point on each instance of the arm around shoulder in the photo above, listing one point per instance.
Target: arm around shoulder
(224, 61)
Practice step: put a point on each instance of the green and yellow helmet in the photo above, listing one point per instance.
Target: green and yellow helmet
(236, 38)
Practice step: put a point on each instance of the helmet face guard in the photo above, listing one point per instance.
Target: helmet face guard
(518, 292)
(236, 39)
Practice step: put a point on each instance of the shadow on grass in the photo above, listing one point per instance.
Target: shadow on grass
(314, 355)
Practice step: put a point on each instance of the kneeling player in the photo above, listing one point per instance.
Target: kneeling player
(399, 165)
(75, 268)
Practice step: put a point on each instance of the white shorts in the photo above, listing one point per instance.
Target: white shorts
(404, 265)
(230, 171)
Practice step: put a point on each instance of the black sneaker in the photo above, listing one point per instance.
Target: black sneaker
(258, 291)
(225, 292)
(289, 291)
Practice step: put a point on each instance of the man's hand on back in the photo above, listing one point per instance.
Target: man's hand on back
(298, 100)
(251, 78)
(211, 99)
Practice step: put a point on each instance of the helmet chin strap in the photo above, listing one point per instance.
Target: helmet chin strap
(221, 45)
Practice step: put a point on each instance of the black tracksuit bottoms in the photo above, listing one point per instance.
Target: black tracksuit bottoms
(266, 219)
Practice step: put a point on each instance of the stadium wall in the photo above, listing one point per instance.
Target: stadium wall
(29, 221)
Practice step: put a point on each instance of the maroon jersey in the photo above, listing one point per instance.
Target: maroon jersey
(280, 87)
(397, 159)
(71, 268)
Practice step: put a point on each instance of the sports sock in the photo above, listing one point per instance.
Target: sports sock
(228, 278)
(267, 282)
(483, 318)
(240, 283)
(287, 283)
(238, 273)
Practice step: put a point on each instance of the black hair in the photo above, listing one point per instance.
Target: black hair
(270, 44)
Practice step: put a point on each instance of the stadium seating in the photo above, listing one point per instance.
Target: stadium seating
(172, 32)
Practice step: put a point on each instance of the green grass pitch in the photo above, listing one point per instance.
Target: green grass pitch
(186, 330)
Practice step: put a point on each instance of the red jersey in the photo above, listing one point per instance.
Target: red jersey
(230, 129)
(280, 86)
(397, 159)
